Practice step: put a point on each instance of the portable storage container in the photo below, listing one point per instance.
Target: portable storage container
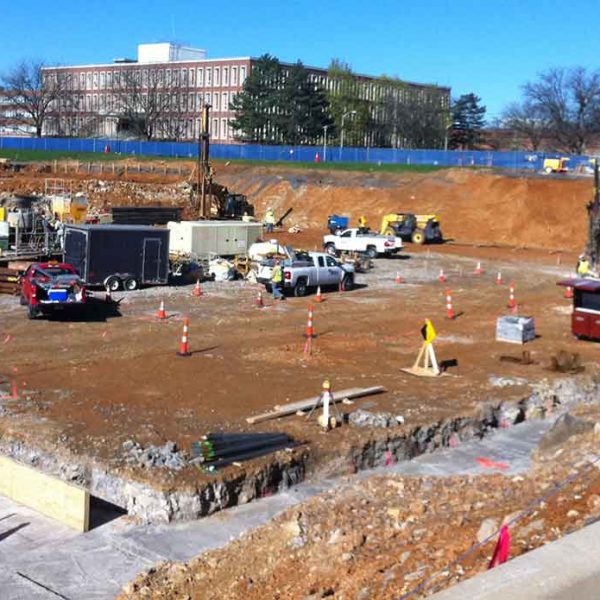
(202, 238)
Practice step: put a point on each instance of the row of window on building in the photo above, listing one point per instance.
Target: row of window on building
(185, 129)
(184, 77)
(170, 102)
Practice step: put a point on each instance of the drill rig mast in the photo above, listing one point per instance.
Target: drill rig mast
(211, 200)
(593, 208)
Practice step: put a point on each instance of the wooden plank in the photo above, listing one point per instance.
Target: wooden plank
(293, 407)
(48, 495)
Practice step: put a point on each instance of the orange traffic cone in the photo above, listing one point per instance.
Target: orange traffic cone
(441, 276)
(450, 314)
(319, 296)
(310, 332)
(162, 315)
(197, 289)
(499, 278)
(568, 292)
(259, 301)
(183, 346)
(512, 303)
(478, 269)
(398, 278)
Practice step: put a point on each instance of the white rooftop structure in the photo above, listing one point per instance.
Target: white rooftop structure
(168, 52)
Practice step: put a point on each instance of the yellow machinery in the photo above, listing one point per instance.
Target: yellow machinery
(419, 229)
(556, 165)
(70, 209)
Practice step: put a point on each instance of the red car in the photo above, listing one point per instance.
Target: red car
(49, 286)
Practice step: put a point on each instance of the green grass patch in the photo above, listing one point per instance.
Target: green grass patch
(48, 155)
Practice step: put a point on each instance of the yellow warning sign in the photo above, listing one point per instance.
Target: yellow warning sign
(428, 332)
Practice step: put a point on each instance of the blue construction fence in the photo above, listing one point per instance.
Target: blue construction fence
(518, 160)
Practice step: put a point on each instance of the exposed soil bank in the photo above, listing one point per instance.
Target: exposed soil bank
(275, 473)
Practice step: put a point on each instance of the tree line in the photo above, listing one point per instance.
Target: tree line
(559, 110)
(282, 104)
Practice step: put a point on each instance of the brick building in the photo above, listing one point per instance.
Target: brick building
(170, 83)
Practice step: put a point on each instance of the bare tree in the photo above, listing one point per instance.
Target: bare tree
(527, 119)
(569, 100)
(149, 104)
(32, 93)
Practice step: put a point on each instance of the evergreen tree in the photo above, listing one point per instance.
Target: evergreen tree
(304, 108)
(468, 120)
(258, 105)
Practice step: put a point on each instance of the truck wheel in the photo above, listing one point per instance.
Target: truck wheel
(300, 288)
(32, 311)
(372, 252)
(347, 283)
(112, 283)
(418, 237)
(330, 249)
(130, 284)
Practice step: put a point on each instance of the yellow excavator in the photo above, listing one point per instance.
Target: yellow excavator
(418, 229)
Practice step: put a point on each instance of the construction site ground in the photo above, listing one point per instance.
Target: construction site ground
(87, 385)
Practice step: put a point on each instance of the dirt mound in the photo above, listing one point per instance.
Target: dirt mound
(479, 207)
(475, 206)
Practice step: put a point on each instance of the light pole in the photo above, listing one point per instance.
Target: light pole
(348, 112)
(325, 127)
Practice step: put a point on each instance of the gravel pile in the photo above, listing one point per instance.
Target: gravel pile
(167, 456)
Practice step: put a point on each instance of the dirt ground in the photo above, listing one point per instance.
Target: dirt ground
(476, 206)
(93, 384)
(86, 385)
(90, 384)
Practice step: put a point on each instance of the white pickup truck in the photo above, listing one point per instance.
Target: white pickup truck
(355, 240)
(303, 271)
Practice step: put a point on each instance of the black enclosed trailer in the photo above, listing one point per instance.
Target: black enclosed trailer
(118, 255)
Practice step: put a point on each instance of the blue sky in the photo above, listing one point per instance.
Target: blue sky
(490, 48)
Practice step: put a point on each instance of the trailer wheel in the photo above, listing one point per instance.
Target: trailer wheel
(112, 283)
(32, 311)
(130, 284)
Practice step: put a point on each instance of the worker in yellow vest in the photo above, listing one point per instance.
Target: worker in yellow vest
(362, 225)
(277, 281)
(583, 266)
(270, 220)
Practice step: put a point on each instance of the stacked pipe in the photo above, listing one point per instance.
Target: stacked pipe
(221, 449)
(9, 281)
